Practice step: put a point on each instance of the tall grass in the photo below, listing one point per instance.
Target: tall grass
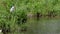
(22, 8)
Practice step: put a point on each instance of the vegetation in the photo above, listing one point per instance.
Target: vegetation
(18, 22)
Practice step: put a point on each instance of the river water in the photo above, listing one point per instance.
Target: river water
(45, 26)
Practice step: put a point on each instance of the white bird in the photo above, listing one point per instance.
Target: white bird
(0, 31)
(12, 9)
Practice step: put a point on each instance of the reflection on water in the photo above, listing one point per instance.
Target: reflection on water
(45, 26)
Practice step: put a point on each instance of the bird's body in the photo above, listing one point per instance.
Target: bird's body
(12, 9)
(0, 31)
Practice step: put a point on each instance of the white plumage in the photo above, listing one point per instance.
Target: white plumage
(12, 9)
(0, 31)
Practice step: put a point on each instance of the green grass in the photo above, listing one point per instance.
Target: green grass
(23, 7)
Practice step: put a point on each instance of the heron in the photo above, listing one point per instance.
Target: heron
(12, 9)
(0, 31)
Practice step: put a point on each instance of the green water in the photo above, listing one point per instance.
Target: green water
(44, 26)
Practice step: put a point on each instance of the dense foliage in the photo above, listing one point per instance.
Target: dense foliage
(17, 20)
